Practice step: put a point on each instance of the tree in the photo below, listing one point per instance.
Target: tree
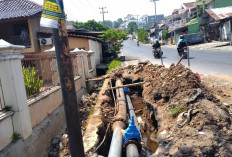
(132, 27)
(120, 21)
(90, 25)
(142, 36)
(130, 17)
(116, 24)
(108, 23)
(114, 38)
(166, 34)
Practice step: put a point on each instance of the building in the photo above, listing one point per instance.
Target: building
(20, 25)
(201, 6)
(216, 24)
(150, 20)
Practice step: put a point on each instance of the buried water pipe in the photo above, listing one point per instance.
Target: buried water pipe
(119, 124)
(132, 134)
(131, 140)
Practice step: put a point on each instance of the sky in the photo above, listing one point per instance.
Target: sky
(84, 10)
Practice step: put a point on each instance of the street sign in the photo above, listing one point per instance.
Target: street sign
(52, 11)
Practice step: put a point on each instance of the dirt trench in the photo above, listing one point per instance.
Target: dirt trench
(178, 112)
(182, 115)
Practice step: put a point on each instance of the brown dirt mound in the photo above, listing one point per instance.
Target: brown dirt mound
(191, 120)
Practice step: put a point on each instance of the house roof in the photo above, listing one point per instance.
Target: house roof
(11, 9)
(220, 13)
(84, 32)
(189, 5)
(85, 37)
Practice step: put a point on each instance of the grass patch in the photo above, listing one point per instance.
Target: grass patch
(113, 65)
(15, 136)
(175, 110)
(8, 108)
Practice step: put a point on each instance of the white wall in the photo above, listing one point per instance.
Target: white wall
(6, 131)
(97, 48)
(226, 30)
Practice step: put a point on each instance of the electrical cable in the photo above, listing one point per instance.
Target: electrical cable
(102, 140)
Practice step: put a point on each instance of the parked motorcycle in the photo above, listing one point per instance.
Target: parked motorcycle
(158, 53)
(184, 52)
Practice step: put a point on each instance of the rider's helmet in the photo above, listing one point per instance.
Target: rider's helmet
(181, 37)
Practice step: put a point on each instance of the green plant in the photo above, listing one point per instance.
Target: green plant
(113, 65)
(132, 27)
(31, 81)
(114, 38)
(175, 110)
(90, 25)
(96, 99)
(8, 108)
(91, 110)
(166, 34)
(143, 36)
(15, 136)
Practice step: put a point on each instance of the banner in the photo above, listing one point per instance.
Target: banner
(52, 11)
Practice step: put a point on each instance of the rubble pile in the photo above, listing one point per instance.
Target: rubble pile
(190, 120)
(59, 144)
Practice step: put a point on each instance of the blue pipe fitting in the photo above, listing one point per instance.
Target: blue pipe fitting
(126, 90)
(132, 132)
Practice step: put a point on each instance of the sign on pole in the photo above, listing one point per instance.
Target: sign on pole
(52, 11)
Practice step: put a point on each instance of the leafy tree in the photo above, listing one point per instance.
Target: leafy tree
(142, 36)
(90, 25)
(114, 38)
(132, 27)
(130, 17)
(116, 24)
(108, 23)
(120, 21)
(166, 34)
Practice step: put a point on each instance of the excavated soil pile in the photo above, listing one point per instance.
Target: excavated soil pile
(189, 119)
(59, 144)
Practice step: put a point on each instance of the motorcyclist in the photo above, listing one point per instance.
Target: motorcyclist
(181, 44)
(156, 45)
(138, 43)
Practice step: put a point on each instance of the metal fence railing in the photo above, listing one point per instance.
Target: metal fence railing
(46, 68)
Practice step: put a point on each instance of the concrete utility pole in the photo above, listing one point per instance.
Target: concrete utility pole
(68, 89)
(103, 14)
(137, 21)
(155, 7)
(155, 15)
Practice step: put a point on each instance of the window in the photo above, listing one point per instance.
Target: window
(21, 35)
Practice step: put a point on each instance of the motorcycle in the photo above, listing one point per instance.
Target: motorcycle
(137, 43)
(184, 52)
(158, 53)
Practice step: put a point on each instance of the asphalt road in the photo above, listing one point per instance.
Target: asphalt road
(201, 61)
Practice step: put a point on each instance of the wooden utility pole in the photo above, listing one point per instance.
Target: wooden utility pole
(103, 12)
(68, 90)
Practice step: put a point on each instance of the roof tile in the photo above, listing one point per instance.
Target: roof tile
(10, 9)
